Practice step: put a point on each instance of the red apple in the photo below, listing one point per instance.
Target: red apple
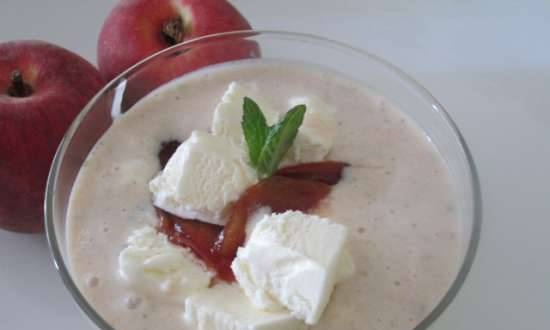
(42, 89)
(136, 29)
(162, 69)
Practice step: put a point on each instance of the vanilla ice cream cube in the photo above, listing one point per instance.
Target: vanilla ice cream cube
(229, 112)
(292, 260)
(152, 265)
(316, 135)
(225, 307)
(204, 175)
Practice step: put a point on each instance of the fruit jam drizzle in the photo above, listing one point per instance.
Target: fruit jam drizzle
(298, 188)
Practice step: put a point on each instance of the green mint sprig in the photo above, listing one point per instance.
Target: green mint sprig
(267, 145)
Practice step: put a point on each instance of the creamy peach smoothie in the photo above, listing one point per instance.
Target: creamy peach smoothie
(396, 198)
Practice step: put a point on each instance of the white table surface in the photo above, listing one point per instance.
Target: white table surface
(488, 64)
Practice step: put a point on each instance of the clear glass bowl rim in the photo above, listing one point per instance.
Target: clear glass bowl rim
(473, 174)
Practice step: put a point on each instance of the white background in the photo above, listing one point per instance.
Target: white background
(489, 65)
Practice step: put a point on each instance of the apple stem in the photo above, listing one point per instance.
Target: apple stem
(173, 31)
(18, 87)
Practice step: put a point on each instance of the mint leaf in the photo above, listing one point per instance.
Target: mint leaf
(268, 145)
(279, 139)
(255, 129)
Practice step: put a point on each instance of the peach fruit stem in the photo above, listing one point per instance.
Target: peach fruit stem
(18, 87)
(173, 31)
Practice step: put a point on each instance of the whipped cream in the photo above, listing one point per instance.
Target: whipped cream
(293, 260)
(225, 307)
(153, 265)
(205, 174)
(316, 135)
(229, 112)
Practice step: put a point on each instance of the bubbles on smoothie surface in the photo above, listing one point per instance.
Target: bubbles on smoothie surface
(133, 302)
(92, 281)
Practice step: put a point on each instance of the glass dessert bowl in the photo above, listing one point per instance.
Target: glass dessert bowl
(329, 57)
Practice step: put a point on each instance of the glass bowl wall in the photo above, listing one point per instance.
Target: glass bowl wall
(134, 84)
